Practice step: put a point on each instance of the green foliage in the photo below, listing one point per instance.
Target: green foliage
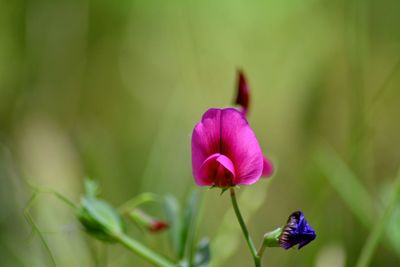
(346, 184)
(172, 211)
(182, 235)
(380, 226)
(188, 223)
(100, 219)
(111, 90)
(202, 255)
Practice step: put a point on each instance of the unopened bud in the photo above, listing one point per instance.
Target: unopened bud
(148, 222)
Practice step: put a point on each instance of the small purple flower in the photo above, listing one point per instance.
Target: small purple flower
(296, 231)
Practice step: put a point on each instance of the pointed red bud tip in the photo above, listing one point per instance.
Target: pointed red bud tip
(150, 223)
(158, 226)
(243, 92)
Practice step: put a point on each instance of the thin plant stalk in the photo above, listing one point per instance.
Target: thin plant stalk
(144, 252)
(246, 234)
(137, 201)
(35, 228)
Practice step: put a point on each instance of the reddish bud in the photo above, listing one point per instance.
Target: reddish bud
(148, 222)
(158, 226)
(243, 92)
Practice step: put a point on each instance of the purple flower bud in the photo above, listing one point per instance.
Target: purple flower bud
(296, 231)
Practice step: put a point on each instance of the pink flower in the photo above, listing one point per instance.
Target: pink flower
(225, 150)
(243, 93)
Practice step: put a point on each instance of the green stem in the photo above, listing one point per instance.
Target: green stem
(35, 228)
(137, 201)
(271, 239)
(144, 252)
(374, 237)
(246, 234)
(260, 251)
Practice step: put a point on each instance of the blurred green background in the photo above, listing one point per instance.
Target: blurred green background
(112, 90)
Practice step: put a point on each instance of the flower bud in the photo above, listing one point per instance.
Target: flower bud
(148, 222)
(296, 231)
(243, 92)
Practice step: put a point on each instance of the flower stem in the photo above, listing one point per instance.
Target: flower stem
(138, 200)
(271, 239)
(260, 251)
(246, 234)
(144, 251)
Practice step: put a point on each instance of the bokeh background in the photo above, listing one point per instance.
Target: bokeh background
(112, 89)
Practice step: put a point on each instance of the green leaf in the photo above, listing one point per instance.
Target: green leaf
(188, 225)
(100, 219)
(172, 212)
(203, 253)
(393, 229)
(346, 184)
(376, 234)
(91, 188)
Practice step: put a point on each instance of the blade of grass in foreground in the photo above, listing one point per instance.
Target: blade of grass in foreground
(186, 234)
(352, 191)
(346, 184)
(376, 234)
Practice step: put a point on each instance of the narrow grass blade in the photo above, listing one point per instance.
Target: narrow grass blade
(379, 228)
(346, 184)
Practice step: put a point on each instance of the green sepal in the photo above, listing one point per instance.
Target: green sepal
(271, 239)
(224, 189)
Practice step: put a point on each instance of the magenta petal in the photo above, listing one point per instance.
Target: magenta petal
(227, 163)
(205, 175)
(268, 169)
(216, 170)
(205, 142)
(227, 133)
(241, 146)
